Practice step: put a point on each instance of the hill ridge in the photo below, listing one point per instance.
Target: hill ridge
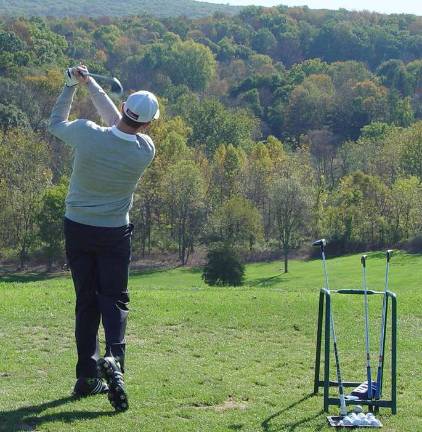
(99, 8)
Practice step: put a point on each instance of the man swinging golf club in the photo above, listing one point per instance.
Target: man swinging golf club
(108, 163)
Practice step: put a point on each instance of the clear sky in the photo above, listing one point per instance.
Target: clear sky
(384, 6)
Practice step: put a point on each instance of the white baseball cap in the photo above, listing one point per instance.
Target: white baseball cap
(142, 107)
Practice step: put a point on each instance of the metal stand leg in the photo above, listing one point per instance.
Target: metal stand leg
(318, 345)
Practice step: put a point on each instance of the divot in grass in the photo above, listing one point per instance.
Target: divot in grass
(229, 404)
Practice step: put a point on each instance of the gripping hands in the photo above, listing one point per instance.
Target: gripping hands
(76, 75)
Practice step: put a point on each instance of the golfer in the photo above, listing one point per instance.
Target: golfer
(108, 163)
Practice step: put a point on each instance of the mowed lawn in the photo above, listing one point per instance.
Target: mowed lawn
(208, 359)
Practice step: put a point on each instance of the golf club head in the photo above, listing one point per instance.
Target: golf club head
(321, 243)
(116, 87)
(363, 260)
(388, 254)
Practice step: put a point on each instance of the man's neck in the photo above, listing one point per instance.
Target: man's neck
(126, 129)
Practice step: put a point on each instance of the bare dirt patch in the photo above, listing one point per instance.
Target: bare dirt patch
(229, 404)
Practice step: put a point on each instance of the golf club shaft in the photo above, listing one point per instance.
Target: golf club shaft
(368, 355)
(116, 85)
(343, 408)
(102, 77)
(382, 337)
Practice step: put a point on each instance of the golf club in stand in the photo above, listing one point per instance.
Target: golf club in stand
(378, 390)
(343, 410)
(366, 312)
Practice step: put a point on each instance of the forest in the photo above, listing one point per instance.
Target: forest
(96, 8)
(279, 125)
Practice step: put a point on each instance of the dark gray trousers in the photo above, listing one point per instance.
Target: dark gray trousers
(99, 259)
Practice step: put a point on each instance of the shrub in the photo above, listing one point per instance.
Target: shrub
(413, 245)
(223, 267)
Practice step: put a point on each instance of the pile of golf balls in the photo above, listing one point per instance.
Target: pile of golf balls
(360, 419)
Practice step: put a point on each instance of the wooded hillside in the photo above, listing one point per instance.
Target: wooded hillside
(98, 8)
(280, 124)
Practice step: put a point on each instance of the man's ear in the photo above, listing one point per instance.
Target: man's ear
(122, 104)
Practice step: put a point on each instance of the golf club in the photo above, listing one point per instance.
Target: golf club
(116, 85)
(382, 337)
(343, 410)
(368, 354)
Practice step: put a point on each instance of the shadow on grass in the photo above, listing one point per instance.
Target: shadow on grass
(150, 271)
(28, 418)
(267, 282)
(30, 277)
(291, 425)
(194, 270)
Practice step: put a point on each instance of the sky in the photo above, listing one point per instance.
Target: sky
(384, 6)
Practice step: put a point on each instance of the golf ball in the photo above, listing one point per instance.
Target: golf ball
(347, 421)
(365, 422)
(375, 422)
(357, 409)
(356, 422)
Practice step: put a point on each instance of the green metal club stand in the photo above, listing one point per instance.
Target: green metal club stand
(324, 322)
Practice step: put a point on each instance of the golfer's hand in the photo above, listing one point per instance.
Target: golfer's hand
(69, 78)
(79, 72)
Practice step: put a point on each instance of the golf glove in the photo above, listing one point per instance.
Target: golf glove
(70, 79)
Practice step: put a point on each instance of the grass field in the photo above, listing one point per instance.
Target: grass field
(207, 359)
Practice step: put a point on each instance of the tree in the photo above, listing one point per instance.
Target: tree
(323, 145)
(251, 98)
(227, 168)
(406, 208)
(25, 175)
(15, 108)
(12, 52)
(11, 117)
(184, 199)
(214, 124)
(310, 104)
(358, 211)
(377, 152)
(106, 36)
(190, 63)
(258, 178)
(393, 74)
(415, 70)
(291, 203)
(50, 221)
(236, 223)
(46, 46)
(358, 104)
(340, 40)
(171, 142)
(300, 71)
(348, 73)
(411, 157)
(264, 41)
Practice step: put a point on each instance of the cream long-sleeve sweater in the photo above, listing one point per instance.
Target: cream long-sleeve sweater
(108, 163)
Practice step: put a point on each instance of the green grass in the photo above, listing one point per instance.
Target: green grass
(206, 359)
